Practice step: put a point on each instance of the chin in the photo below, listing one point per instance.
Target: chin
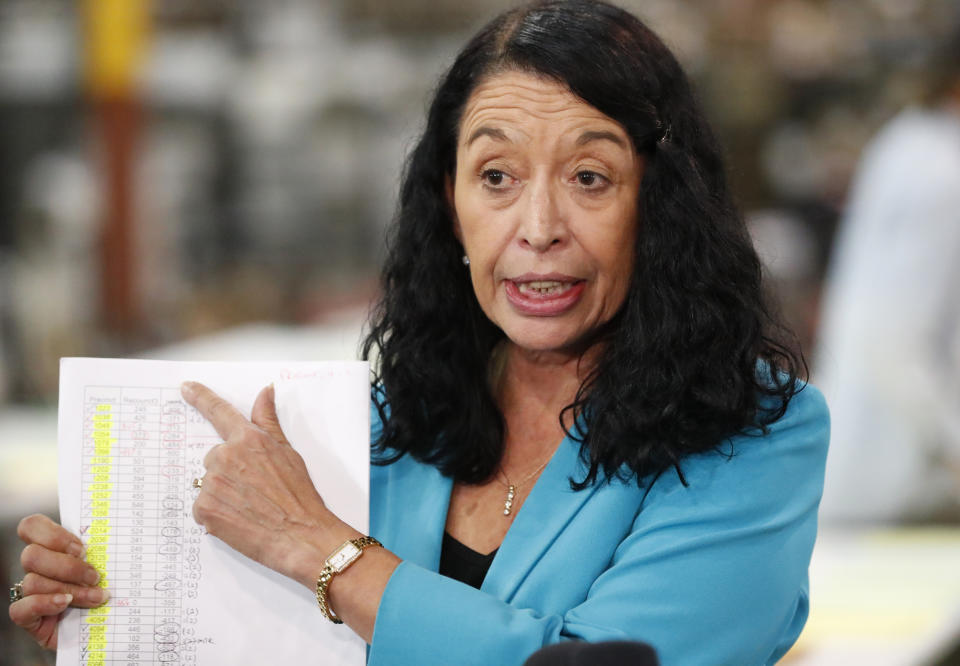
(546, 339)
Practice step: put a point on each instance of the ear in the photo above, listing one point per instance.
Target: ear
(448, 190)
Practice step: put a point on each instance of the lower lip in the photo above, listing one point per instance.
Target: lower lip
(549, 305)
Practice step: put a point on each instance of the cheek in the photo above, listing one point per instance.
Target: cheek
(467, 220)
(617, 278)
(618, 261)
(484, 235)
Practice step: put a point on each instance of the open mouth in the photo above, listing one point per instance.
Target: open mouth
(544, 288)
(544, 298)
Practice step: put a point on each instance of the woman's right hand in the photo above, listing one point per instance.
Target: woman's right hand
(56, 577)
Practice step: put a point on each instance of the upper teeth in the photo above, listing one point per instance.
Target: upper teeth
(544, 286)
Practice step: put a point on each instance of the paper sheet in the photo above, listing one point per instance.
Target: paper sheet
(129, 447)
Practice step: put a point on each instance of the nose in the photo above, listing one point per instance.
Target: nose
(542, 224)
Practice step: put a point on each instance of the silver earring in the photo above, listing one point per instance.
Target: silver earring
(466, 260)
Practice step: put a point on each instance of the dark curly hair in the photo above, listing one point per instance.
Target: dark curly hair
(693, 357)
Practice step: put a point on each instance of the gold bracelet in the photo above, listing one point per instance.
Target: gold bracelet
(348, 553)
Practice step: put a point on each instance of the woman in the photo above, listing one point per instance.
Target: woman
(578, 386)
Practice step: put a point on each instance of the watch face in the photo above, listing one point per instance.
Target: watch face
(343, 556)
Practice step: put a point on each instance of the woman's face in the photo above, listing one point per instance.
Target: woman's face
(545, 197)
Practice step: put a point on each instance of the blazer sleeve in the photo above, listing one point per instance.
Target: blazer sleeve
(711, 573)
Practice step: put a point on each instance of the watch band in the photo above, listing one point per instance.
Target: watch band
(331, 568)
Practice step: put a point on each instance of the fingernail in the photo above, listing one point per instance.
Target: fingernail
(187, 390)
(76, 549)
(97, 595)
(91, 577)
(62, 599)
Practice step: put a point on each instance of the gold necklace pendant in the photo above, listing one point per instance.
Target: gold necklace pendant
(512, 487)
(508, 503)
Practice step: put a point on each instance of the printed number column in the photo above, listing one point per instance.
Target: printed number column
(99, 439)
(137, 525)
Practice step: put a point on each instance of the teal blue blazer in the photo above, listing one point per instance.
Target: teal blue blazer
(711, 573)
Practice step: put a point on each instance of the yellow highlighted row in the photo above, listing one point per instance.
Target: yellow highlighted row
(100, 527)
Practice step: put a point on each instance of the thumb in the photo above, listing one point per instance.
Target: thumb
(264, 414)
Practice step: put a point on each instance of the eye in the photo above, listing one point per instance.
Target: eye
(591, 180)
(493, 177)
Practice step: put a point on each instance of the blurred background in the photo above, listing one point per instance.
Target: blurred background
(211, 179)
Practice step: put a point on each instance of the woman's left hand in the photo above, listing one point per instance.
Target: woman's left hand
(257, 495)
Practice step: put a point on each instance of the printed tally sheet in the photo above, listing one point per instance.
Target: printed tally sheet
(129, 448)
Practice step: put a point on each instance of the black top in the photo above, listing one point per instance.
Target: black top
(463, 563)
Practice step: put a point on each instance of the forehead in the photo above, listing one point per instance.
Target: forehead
(519, 99)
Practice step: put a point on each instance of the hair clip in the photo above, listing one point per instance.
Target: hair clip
(666, 136)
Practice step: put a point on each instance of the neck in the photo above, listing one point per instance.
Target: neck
(548, 379)
(532, 389)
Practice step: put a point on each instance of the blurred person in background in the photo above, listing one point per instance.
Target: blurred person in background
(888, 357)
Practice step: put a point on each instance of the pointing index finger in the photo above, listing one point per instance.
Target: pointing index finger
(224, 417)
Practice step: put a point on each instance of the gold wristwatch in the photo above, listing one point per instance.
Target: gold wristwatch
(339, 560)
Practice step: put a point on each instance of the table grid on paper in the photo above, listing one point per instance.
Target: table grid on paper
(135, 502)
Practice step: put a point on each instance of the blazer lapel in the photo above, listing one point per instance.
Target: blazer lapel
(418, 501)
(547, 510)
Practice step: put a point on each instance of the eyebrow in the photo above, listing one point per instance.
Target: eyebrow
(492, 132)
(594, 135)
(585, 138)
